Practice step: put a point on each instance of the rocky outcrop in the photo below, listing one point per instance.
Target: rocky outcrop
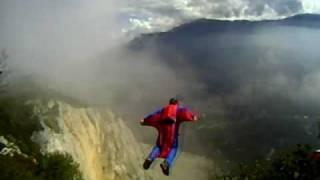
(103, 145)
(9, 148)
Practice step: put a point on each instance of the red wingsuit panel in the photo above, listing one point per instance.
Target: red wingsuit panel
(170, 112)
(316, 155)
(167, 133)
(185, 115)
(166, 138)
(153, 119)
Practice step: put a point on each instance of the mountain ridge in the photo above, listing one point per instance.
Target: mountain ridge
(203, 27)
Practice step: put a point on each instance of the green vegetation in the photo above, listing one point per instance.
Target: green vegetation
(249, 131)
(294, 163)
(17, 123)
(247, 134)
(49, 167)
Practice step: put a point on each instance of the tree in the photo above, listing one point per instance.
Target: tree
(293, 163)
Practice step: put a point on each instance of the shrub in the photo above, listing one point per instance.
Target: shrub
(293, 163)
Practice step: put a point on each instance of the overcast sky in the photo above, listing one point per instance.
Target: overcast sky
(136, 16)
(49, 37)
(75, 29)
(155, 15)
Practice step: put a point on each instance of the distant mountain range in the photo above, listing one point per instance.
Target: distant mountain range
(260, 74)
(203, 27)
(214, 47)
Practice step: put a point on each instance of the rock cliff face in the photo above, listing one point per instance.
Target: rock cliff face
(103, 145)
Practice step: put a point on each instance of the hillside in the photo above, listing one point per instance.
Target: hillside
(103, 145)
(254, 81)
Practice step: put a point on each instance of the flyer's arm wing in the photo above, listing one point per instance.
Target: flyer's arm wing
(152, 119)
(186, 115)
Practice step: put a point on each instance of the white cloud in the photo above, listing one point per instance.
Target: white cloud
(139, 16)
(154, 15)
(311, 6)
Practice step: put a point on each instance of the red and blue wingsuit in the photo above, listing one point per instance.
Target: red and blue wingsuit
(167, 121)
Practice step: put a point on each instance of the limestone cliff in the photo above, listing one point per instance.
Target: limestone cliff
(103, 144)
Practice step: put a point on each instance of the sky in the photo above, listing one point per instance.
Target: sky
(142, 16)
(75, 47)
(155, 15)
(52, 38)
(57, 39)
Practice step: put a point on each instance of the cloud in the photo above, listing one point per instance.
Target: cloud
(311, 6)
(152, 15)
(76, 47)
(140, 16)
(38, 33)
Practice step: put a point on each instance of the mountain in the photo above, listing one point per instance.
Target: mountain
(259, 92)
(205, 27)
(220, 47)
(253, 75)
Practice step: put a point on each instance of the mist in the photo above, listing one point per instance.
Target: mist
(259, 82)
(47, 38)
(77, 48)
(255, 88)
